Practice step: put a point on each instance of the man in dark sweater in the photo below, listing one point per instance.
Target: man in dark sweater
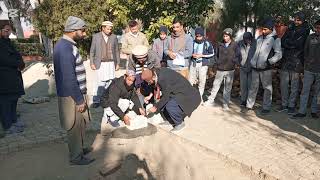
(228, 55)
(311, 74)
(70, 78)
(121, 89)
(292, 61)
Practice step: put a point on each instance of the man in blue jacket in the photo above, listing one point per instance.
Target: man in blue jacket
(202, 52)
(70, 78)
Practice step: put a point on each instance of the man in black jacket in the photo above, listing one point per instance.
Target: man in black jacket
(228, 55)
(121, 88)
(179, 99)
(11, 88)
(293, 44)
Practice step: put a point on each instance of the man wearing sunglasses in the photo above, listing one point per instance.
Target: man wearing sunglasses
(70, 78)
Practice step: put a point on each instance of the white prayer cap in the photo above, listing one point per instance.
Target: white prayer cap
(107, 23)
(140, 51)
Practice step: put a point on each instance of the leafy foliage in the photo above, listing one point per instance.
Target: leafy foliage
(244, 13)
(50, 16)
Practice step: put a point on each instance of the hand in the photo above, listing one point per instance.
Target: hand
(93, 67)
(153, 109)
(142, 112)
(147, 99)
(117, 67)
(126, 120)
(81, 108)
(172, 55)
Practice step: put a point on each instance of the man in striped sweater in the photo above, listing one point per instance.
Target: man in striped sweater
(70, 76)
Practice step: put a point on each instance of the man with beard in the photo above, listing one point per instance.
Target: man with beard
(70, 76)
(141, 59)
(202, 52)
(104, 58)
(11, 88)
(179, 45)
(178, 100)
(292, 66)
(119, 98)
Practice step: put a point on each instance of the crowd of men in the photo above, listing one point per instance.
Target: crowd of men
(166, 74)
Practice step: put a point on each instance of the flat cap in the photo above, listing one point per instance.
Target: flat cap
(74, 23)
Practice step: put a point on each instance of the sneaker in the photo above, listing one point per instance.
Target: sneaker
(264, 112)
(165, 123)
(298, 116)
(179, 127)
(225, 107)
(291, 110)
(246, 110)
(314, 115)
(282, 109)
(81, 161)
(209, 104)
(19, 123)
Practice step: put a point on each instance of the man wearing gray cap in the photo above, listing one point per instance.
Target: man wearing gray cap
(104, 59)
(70, 76)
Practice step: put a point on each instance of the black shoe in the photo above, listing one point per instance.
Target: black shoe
(243, 104)
(87, 150)
(282, 109)
(291, 110)
(264, 112)
(314, 115)
(81, 161)
(299, 115)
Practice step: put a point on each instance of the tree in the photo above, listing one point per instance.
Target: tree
(244, 13)
(23, 7)
(50, 15)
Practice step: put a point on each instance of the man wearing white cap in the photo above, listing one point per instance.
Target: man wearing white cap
(118, 99)
(104, 58)
(143, 58)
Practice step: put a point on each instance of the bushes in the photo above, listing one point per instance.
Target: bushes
(29, 49)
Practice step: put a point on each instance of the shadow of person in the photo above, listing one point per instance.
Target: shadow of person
(131, 167)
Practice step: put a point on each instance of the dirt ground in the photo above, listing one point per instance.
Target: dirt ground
(160, 156)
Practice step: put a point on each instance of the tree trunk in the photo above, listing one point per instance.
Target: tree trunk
(16, 21)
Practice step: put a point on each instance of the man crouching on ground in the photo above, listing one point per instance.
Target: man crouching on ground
(118, 99)
(179, 99)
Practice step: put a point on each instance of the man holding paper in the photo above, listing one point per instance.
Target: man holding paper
(179, 49)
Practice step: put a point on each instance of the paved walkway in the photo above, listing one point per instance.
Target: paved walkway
(273, 145)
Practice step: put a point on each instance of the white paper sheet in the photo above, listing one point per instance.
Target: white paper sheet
(179, 60)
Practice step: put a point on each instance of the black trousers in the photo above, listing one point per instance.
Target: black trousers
(8, 110)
